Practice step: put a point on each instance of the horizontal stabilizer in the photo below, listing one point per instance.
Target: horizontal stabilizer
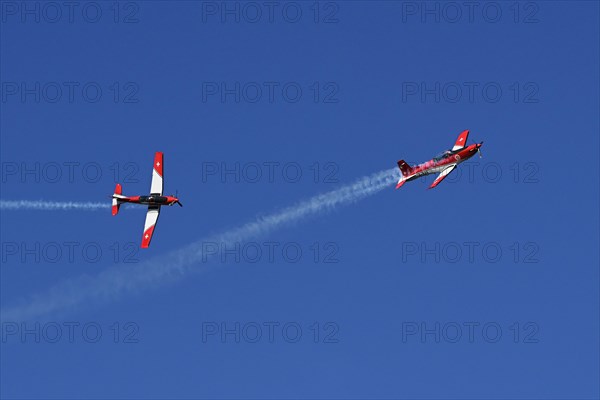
(115, 206)
(115, 201)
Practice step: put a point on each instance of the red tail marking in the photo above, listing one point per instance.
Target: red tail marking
(404, 168)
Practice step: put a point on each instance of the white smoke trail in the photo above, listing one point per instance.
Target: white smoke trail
(42, 205)
(115, 281)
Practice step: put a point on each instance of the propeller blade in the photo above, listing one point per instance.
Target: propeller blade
(180, 205)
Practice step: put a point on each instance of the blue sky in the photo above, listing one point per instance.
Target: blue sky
(388, 281)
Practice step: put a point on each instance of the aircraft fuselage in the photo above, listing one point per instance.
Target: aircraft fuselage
(442, 164)
(434, 166)
(151, 200)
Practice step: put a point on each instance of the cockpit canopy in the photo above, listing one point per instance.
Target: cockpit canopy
(156, 199)
(442, 155)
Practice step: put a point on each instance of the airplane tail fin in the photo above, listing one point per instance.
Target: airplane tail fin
(115, 201)
(404, 168)
(406, 171)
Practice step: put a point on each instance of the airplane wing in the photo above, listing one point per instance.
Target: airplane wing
(461, 141)
(157, 174)
(442, 175)
(150, 224)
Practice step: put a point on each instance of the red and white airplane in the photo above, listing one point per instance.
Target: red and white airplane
(154, 201)
(443, 164)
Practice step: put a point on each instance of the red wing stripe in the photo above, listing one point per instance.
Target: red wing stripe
(147, 237)
(461, 141)
(158, 163)
(150, 225)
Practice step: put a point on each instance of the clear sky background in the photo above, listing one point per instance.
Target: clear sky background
(367, 72)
